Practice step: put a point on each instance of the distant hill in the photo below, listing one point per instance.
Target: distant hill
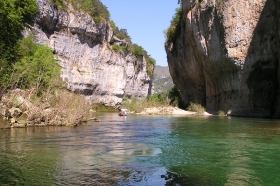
(162, 79)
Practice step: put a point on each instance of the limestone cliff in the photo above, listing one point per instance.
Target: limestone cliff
(89, 65)
(226, 56)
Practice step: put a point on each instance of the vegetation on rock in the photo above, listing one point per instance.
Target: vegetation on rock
(133, 48)
(174, 29)
(100, 14)
(94, 8)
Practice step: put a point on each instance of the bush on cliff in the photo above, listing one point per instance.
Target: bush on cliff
(94, 8)
(135, 49)
(174, 29)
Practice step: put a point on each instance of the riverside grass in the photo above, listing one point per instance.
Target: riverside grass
(134, 105)
(74, 105)
(195, 107)
(221, 113)
(54, 107)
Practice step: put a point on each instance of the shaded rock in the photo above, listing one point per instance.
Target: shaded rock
(15, 112)
(6, 113)
(23, 118)
(18, 125)
(29, 123)
(42, 124)
(34, 117)
(4, 124)
(225, 56)
(13, 120)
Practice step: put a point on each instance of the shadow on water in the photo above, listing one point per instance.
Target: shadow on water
(178, 180)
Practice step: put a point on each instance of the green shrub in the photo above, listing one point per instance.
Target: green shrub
(221, 113)
(102, 108)
(113, 25)
(95, 8)
(116, 47)
(14, 16)
(37, 69)
(151, 63)
(174, 96)
(158, 99)
(138, 105)
(138, 50)
(59, 4)
(97, 19)
(133, 104)
(195, 107)
(174, 29)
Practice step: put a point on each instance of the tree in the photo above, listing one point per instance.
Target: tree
(37, 68)
(14, 16)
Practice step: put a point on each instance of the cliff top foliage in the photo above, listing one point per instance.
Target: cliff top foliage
(174, 29)
(94, 8)
(135, 49)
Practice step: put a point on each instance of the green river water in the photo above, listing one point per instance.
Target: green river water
(144, 150)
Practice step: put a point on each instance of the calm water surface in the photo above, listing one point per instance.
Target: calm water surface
(144, 150)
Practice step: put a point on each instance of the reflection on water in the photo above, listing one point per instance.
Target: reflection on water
(144, 150)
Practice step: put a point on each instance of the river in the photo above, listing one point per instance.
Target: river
(144, 150)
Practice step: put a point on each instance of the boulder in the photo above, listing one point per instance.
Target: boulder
(15, 112)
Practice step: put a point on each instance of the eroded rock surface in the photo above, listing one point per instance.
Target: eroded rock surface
(89, 65)
(226, 56)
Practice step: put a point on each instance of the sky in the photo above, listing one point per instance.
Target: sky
(145, 21)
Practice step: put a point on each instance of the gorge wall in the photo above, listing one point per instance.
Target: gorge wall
(89, 65)
(226, 56)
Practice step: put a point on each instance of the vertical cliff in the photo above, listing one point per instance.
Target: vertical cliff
(225, 56)
(89, 64)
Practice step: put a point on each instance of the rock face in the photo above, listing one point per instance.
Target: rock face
(89, 65)
(226, 56)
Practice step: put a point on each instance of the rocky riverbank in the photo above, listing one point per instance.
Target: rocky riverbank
(19, 108)
(169, 110)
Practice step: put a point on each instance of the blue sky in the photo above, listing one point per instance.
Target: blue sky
(145, 21)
